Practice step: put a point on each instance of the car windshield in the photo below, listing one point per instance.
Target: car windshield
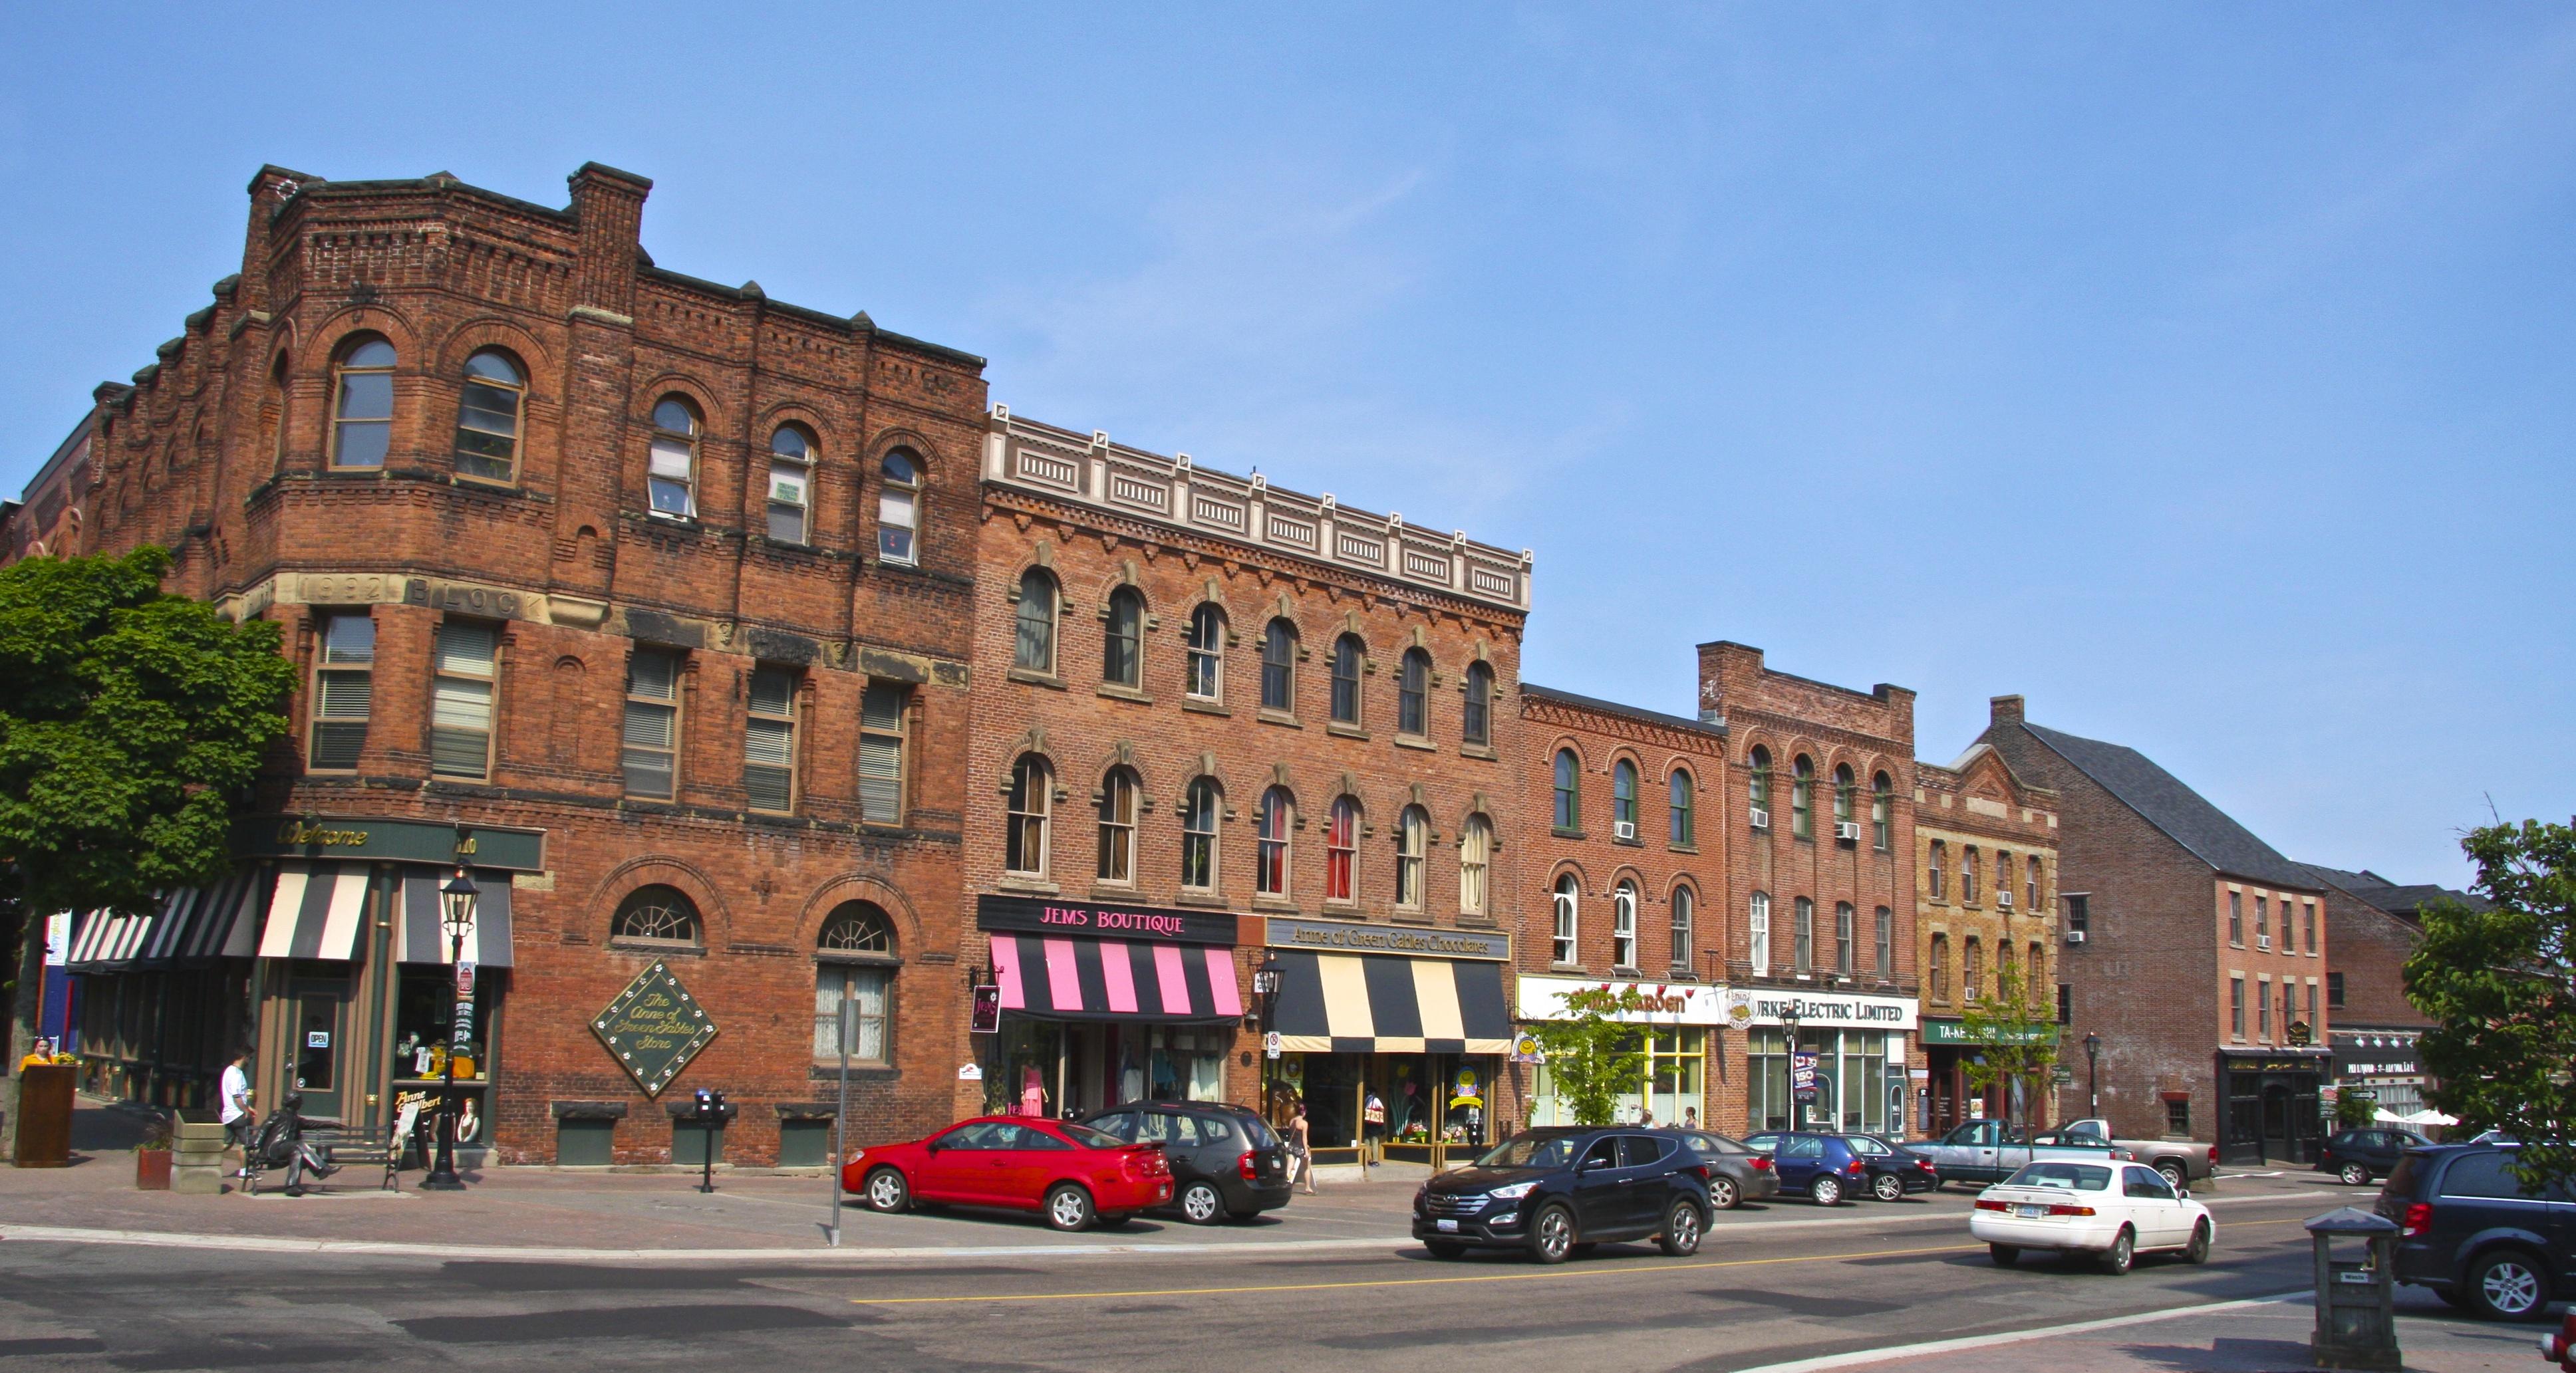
(2070, 1177)
(1531, 1151)
(1090, 1138)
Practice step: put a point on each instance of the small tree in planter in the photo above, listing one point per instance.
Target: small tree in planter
(1593, 1058)
(152, 1156)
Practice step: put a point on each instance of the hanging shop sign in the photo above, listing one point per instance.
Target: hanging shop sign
(988, 1009)
(654, 1028)
(1802, 1076)
(1822, 1010)
(1409, 941)
(1664, 1003)
(350, 839)
(1101, 920)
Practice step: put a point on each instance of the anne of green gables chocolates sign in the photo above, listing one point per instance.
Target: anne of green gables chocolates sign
(654, 1028)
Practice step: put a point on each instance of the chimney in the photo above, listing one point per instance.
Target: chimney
(2003, 710)
(269, 191)
(609, 207)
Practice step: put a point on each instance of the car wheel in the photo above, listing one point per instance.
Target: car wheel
(2354, 1175)
(2123, 1252)
(1444, 1249)
(1827, 1190)
(1723, 1194)
(2198, 1250)
(1200, 1204)
(2004, 1255)
(1551, 1236)
(1682, 1229)
(2175, 1176)
(1887, 1187)
(886, 1190)
(2507, 1286)
(1068, 1207)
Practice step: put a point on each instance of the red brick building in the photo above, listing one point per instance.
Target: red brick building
(2203, 961)
(1221, 725)
(1985, 859)
(650, 599)
(2372, 927)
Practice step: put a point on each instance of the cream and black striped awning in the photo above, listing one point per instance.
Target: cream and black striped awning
(1359, 1003)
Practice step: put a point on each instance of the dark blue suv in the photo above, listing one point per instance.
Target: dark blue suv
(1558, 1192)
(2472, 1232)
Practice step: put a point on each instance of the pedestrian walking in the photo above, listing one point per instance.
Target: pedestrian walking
(1646, 1116)
(234, 1094)
(1690, 1117)
(1372, 1130)
(1301, 1161)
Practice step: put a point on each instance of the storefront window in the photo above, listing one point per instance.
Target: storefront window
(1859, 1077)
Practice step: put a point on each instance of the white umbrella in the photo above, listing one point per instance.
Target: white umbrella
(2429, 1116)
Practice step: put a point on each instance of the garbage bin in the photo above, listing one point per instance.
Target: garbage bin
(45, 1117)
(2356, 1296)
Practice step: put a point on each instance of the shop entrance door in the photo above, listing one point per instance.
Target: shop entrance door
(317, 1050)
(2276, 1120)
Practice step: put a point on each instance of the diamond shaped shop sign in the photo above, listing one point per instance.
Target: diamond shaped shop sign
(654, 1028)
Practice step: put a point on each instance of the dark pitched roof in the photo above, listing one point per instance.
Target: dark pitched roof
(1614, 708)
(2401, 901)
(2184, 815)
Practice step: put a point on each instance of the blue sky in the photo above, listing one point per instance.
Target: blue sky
(2201, 372)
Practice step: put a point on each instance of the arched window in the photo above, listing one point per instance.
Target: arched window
(1757, 933)
(791, 474)
(1682, 826)
(1882, 813)
(1844, 934)
(1802, 797)
(1623, 924)
(1568, 900)
(1569, 784)
(2035, 972)
(671, 468)
(1938, 871)
(899, 508)
(279, 425)
(1623, 799)
(1972, 970)
(2030, 893)
(854, 966)
(1199, 808)
(1206, 642)
(1475, 723)
(2007, 973)
(1968, 874)
(1844, 790)
(1032, 788)
(1270, 858)
(1804, 950)
(1475, 855)
(1122, 651)
(487, 417)
(1034, 647)
(1940, 971)
(1118, 826)
(1413, 693)
(1348, 653)
(658, 915)
(1757, 793)
(1341, 850)
(1412, 837)
(1886, 962)
(362, 404)
(1685, 910)
(1279, 667)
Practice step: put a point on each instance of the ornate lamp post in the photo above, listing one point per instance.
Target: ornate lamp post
(2093, 1070)
(1265, 985)
(1789, 1028)
(456, 910)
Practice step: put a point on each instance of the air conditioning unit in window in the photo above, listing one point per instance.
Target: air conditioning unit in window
(1761, 818)
(2075, 936)
(1848, 830)
(1625, 829)
(2003, 899)
(2262, 943)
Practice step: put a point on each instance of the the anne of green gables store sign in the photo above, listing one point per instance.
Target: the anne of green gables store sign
(654, 1028)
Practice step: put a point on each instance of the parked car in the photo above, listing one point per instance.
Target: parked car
(1894, 1170)
(1823, 1168)
(1557, 1192)
(2471, 1231)
(1985, 1151)
(1737, 1172)
(1227, 1164)
(1072, 1174)
(2182, 1161)
(2113, 1211)
(2362, 1156)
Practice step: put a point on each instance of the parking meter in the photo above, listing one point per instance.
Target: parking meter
(710, 1116)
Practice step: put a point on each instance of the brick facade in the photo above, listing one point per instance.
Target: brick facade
(1985, 862)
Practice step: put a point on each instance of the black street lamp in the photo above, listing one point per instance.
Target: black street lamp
(2093, 1070)
(1789, 1028)
(1265, 985)
(456, 906)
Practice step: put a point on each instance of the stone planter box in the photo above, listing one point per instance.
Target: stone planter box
(197, 1158)
(152, 1169)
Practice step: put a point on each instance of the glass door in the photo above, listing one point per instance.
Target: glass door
(317, 1051)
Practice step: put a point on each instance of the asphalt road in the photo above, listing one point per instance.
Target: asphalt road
(1761, 1292)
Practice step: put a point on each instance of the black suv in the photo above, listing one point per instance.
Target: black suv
(2473, 1233)
(1227, 1164)
(2357, 1156)
(1558, 1192)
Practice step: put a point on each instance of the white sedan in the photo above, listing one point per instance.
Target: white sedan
(2114, 1211)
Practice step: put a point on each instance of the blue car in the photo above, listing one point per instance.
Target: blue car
(1824, 1168)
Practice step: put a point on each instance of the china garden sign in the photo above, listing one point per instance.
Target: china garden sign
(654, 1028)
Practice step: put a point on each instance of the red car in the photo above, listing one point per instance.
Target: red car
(1071, 1174)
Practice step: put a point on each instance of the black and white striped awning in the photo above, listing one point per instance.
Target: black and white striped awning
(420, 932)
(317, 911)
(106, 941)
(195, 924)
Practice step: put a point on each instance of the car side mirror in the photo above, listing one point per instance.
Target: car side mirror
(930, 1147)
(2183, 1192)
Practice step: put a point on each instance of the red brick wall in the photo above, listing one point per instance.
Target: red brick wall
(2370, 948)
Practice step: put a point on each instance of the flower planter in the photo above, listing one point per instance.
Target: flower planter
(152, 1169)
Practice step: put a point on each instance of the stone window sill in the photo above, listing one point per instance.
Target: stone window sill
(656, 947)
(1629, 843)
(1569, 834)
(1200, 898)
(1279, 717)
(1279, 904)
(1342, 731)
(1037, 885)
(1035, 678)
(1116, 692)
(1203, 706)
(1483, 751)
(1692, 849)
(1416, 741)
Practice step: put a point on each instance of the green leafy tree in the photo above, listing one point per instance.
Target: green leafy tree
(2353, 1111)
(1591, 1056)
(130, 722)
(2018, 1040)
(2498, 984)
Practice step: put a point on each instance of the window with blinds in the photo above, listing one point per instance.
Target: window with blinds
(343, 691)
(769, 741)
(460, 707)
(652, 723)
(881, 754)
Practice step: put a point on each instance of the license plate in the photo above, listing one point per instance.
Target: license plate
(2030, 1212)
(1447, 1225)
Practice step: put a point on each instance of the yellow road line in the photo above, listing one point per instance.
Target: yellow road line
(1521, 1276)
